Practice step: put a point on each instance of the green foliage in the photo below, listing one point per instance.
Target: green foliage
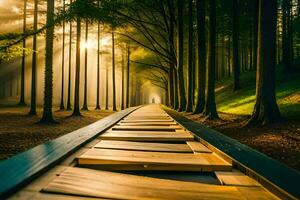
(13, 52)
(242, 102)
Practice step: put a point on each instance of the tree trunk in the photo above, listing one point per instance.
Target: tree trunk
(70, 68)
(113, 71)
(48, 88)
(181, 87)
(255, 33)
(175, 88)
(106, 88)
(171, 86)
(34, 61)
(229, 57)
(85, 106)
(98, 68)
(200, 103)
(123, 81)
(235, 40)
(22, 95)
(210, 106)
(286, 45)
(189, 107)
(266, 109)
(62, 106)
(76, 111)
(128, 76)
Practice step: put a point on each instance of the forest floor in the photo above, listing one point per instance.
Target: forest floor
(19, 131)
(280, 141)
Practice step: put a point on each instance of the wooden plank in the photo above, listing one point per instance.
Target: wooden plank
(162, 161)
(146, 123)
(24, 166)
(145, 128)
(146, 136)
(235, 179)
(111, 185)
(145, 120)
(198, 147)
(143, 146)
(274, 175)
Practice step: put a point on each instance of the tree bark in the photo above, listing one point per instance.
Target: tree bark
(210, 106)
(62, 106)
(189, 106)
(113, 71)
(85, 106)
(180, 46)
(70, 68)
(286, 45)
(235, 41)
(255, 34)
(76, 111)
(200, 103)
(98, 107)
(48, 88)
(266, 110)
(123, 81)
(34, 61)
(22, 94)
(128, 76)
(106, 88)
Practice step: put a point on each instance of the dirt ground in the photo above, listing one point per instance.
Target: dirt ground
(19, 132)
(279, 141)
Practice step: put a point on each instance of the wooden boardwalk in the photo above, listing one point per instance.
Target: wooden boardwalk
(146, 155)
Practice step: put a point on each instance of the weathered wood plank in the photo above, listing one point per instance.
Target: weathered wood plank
(146, 136)
(143, 146)
(273, 175)
(146, 124)
(235, 179)
(102, 184)
(23, 167)
(198, 147)
(170, 161)
(146, 128)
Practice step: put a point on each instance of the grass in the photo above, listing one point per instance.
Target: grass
(242, 102)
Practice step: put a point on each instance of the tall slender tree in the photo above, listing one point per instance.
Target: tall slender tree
(235, 47)
(113, 71)
(180, 46)
(85, 106)
(34, 61)
(48, 88)
(123, 81)
(210, 106)
(199, 108)
(22, 94)
(286, 36)
(62, 104)
(128, 75)
(76, 111)
(98, 107)
(70, 66)
(106, 87)
(266, 108)
(189, 107)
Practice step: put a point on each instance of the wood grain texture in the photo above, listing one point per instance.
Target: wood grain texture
(146, 128)
(102, 184)
(25, 166)
(235, 178)
(146, 136)
(143, 146)
(198, 147)
(173, 161)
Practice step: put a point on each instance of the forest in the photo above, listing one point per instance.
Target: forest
(232, 65)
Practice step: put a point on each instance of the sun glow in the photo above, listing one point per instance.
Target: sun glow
(90, 44)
